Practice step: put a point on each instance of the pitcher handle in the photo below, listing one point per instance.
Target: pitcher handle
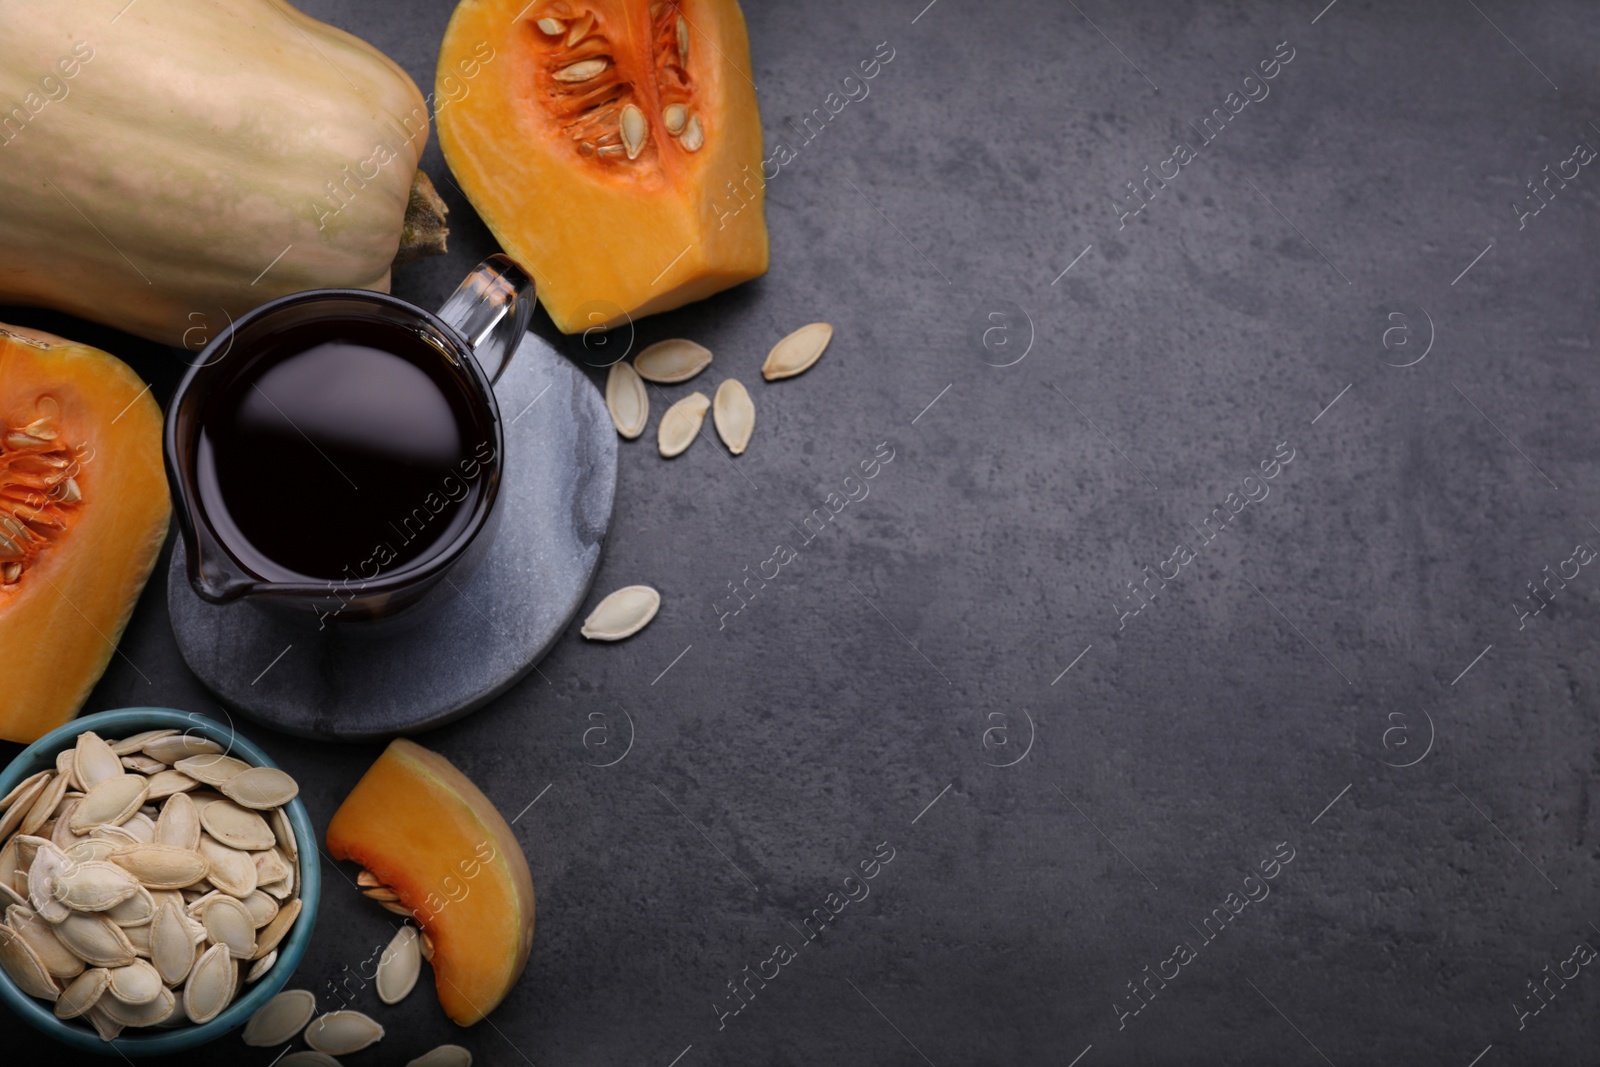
(491, 309)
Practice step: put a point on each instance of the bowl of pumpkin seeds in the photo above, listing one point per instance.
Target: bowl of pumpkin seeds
(151, 881)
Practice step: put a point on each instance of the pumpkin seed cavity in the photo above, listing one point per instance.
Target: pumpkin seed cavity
(39, 492)
(594, 103)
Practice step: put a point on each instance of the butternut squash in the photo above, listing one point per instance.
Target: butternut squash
(166, 166)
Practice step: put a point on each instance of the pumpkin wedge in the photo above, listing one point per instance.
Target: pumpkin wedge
(429, 837)
(83, 512)
(613, 147)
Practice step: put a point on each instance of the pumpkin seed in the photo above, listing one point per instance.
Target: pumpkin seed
(229, 922)
(168, 783)
(44, 805)
(232, 870)
(164, 866)
(140, 826)
(61, 835)
(67, 767)
(211, 769)
(674, 116)
(627, 401)
(260, 788)
(261, 966)
(92, 850)
(137, 983)
(271, 934)
(367, 880)
(399, 966)
(443, 1056)
(104, 1025)
(262, 908)
(20, 788)
(797, 352)
(672, 361)
(277, 890)
(426, 946)
(308, 1058)
(118, 837)
(9, 896)
(139, 938)
(23, 803)
(694, 135)
(179, 823)
(635, 129)
(270, 867)
(82, 993)
(96, 939)
(48, 862)
(18, 960)
(683, 42)
(110, 801)
(94, 761)
(397, 908)
(172, 943)
(59, 961)
(339, 1033)
(681, 424)
(93, 886)
(150, 1013)
(580, 29)
(551, 27)
(734, 415)
(136, 742)
(380, 893)
(211, 984)
(280, 1019)
(174, 747)
(622, 613)
(136, 911)
(237, 827)
(582, 71)
(283, 830)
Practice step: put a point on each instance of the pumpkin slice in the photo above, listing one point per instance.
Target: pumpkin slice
(428, 836)
(613, 147)
(83, 512)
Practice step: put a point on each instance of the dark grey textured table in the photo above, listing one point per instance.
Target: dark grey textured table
(1357, 613)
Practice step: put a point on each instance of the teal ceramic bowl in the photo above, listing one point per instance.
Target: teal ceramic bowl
(41, 755)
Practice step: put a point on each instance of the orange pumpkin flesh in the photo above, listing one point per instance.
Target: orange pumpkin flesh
(83, 512)
(534, 119)
(433, 838)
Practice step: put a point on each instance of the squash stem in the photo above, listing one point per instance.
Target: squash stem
(424, 231)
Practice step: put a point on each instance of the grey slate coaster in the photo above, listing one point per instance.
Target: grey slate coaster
(560, 480)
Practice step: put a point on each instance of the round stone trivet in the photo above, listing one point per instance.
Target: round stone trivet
(557, 490)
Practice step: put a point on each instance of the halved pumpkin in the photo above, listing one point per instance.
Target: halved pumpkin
(429, 836)
(83, 512)
(613, 147)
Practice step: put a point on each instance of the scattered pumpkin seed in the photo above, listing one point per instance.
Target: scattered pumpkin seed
(672, 361)
(626, 399)
(622, 613)
(734, 415)
(797, 352)
(681, 424)
(339, 1033)
(280, 1019)
(308, 1058)
(443, 1056)
(399, 966)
